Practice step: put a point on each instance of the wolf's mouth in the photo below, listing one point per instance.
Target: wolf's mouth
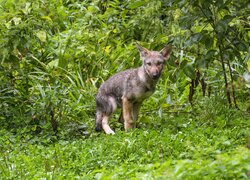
(155, 77)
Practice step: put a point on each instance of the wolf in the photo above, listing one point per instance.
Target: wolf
(128, 89)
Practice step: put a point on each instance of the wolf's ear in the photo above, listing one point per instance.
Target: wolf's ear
(143, 51)
(166, 51)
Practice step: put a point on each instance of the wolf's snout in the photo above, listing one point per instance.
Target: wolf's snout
(155, 75)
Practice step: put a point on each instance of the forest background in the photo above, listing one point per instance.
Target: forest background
(55, 54)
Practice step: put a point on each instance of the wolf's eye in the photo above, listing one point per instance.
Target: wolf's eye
(159, 63)
(149, 63)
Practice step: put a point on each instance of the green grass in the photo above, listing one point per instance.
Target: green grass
(174, 147)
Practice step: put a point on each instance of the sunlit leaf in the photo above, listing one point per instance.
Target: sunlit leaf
(53, 63)
(248, 65)
(137, 4)
(42, 35)
(17, 20)
(47, 18)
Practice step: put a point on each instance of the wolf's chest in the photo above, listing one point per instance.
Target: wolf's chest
(141, 93)
(137, 88)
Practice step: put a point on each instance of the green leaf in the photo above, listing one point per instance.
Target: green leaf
(210, 54)
(207, 40)
(42, 35)
(248, 65)
(197, 37)
(219, 3)
(243, 46)
(53, 63)
(17, 20)
(228, 18)
(47, 18)
(136, 4)
(183, 64)
(27, 8)
(189, 70)
(222, 26)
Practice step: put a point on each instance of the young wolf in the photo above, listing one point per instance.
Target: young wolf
(128, 89)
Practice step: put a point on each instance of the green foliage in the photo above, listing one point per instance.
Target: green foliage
(55, 54)
(181, 146)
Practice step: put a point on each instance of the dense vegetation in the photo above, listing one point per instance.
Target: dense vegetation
(55, 54)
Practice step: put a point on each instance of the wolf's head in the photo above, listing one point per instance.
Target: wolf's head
(153, 61)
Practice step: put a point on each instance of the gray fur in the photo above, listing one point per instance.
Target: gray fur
(133, 84)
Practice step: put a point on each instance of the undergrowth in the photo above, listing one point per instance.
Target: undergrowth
(203, 144)
(55, 54)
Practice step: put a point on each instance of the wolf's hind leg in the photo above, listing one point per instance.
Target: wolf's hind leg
(105, 105)
(105, 125)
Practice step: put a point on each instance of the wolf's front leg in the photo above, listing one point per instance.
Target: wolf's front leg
(127, 109)
(136, 109)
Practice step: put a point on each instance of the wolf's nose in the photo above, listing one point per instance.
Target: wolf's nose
(155, 76)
